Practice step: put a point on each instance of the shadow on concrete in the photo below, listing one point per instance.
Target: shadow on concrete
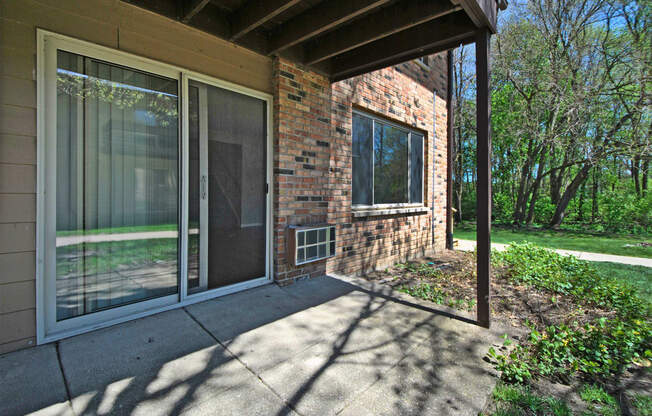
(322, 346)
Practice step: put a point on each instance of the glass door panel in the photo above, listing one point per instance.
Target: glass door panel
(116, 186)
(228, 132)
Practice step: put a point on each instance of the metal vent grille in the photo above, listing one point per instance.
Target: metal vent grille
(313, 243)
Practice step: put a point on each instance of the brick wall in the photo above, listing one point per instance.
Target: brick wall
(302, 130)
(312, 165)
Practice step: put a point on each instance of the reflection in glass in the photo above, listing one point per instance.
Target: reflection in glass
(117, 183)
(416, 168)
(362, 181)
(390, 164)
(193, 189)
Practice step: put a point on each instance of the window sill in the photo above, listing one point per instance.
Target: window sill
(422, 65)
(372, 212)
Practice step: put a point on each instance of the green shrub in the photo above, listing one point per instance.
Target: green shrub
(545, 269)
(626, 212)
(544, 209)
(642, 404)
(502, 208)
(600, 349)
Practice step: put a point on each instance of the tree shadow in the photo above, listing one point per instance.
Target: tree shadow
(415, 357)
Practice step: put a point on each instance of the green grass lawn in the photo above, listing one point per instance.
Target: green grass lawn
(638, 276)
(120, 230)
(569, 240)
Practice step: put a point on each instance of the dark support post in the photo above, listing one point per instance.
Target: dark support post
(483, 115)
(449, 153)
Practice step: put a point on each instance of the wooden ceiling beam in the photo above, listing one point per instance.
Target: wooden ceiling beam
(484, 13)
(317, 20)
(385, 22)
(432, 37)
(255, 13)
(214, 21)
(191, 9)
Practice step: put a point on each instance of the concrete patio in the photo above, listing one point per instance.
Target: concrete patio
(324, 346)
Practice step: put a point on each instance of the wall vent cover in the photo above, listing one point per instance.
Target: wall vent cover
(310, 243)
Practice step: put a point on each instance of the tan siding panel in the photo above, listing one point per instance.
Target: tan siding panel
(17, 208)
(95, 8)
(17, 63)
(17, 35)
(17, 91)
(17, 325)
(17, 120)
(17, 149)
(17, 296)
(17, 237)
(141, 32)
(222, 69)
(17, 345)
(205, 53)
(17, 179)
(102, 29)
(17, 267)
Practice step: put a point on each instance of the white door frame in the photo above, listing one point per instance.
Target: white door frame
(205, 188)
(47, 329)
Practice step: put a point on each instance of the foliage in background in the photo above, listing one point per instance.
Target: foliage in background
(571, 116)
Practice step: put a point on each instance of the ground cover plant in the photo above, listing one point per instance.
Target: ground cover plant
(600, 348)
(581, 325)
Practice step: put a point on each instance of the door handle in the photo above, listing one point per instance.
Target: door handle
(203, 186)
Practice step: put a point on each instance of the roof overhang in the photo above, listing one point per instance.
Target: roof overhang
(338, 38)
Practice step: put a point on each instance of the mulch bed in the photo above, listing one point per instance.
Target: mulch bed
(512, 305)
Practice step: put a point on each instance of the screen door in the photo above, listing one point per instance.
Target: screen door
(227, 192)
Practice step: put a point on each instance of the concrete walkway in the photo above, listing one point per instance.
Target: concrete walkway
(469, 245)
(323, 346)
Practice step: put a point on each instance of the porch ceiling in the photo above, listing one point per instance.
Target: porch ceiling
(339, 38)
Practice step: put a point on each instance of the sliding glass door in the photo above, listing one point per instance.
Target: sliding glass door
(227, 194)
(117, 186)
(152, 187)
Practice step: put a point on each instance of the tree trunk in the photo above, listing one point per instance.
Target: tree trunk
(521, 196)
(644, 175)
(459, 173)
(580, 205)
(594, 195)
(526, 174)
(568, 194)
(535, 188)
(557, 179)
(635, 170)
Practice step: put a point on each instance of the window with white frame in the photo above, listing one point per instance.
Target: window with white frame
(387, 163)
